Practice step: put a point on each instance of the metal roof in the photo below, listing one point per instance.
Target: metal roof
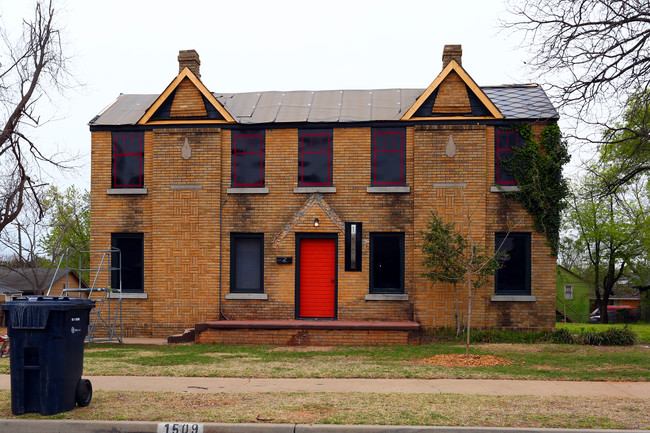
(515, 102)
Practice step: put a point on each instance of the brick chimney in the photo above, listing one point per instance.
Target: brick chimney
(189, 59)
(452, 52)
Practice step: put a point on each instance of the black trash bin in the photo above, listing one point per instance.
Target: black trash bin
(47, 335)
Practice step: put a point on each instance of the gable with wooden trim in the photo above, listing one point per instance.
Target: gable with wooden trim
(186, 100)
(453, 95)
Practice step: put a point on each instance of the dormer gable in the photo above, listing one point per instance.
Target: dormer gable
(453, 94)
(186, 100)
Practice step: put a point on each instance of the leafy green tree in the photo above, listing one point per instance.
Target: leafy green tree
(450, 257)
(625, 153)
(443, 249)
(68, 235)
(57, 224)
(611, 230)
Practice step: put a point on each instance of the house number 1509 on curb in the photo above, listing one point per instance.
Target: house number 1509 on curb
(179, 427)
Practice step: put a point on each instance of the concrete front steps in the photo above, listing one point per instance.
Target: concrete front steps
(302, 333)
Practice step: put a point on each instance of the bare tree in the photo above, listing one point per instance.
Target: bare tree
(596, 55)
(30, 68)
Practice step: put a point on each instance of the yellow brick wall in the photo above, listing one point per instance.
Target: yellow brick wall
(187, 279)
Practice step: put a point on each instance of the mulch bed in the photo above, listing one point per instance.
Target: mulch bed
(464, 361)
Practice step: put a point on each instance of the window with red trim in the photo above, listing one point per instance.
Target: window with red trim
(506, 143)
(247, 159)
(388, 157)
(128, 160)
(315, 158)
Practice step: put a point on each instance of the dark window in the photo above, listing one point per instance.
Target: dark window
(128, 160)
(353, 246)
(248, 159)
(247, 262)
(388, 157)
(506, 143)
(386, 262)
(315, 160)
(513, 278)
(128, 262)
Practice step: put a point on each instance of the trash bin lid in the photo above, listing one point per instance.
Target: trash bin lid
(32, 312)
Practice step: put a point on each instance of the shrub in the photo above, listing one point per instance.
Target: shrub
(559, 336)
(610, 337)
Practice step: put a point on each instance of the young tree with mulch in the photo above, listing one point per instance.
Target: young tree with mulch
(451, 257)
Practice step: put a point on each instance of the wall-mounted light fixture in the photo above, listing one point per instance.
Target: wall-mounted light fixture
(316, 222)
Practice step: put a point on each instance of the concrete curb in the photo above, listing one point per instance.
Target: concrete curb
(73, 426)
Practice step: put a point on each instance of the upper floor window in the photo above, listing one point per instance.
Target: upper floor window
(388, 157)
(513, 278)
(315, 158)
(506, 143)
(247, 159)
(128, 160)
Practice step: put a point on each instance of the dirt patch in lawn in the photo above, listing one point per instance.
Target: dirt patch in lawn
(302, 348)
(464, 361)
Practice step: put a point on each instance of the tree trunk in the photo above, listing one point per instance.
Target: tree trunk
(469, 310)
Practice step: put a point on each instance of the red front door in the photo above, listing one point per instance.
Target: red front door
(317, 282)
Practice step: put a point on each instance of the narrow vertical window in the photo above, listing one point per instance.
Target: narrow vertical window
(128, 160)
(568, 292)
(315, 160)
(388, 157)
(386, 262)
(247, 159)
(247, 263)
(128, 262)
(513, 278)
(506, 143)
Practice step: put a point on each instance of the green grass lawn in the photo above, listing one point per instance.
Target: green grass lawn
(525, 361)
(641, 329)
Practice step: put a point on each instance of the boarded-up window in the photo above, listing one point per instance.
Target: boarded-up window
(506, 143)
(246, 262)
(388, 157)
(513, 278)
(386, 262)
(247, 159)
(128, 262)
(315, 161)
(128, 160)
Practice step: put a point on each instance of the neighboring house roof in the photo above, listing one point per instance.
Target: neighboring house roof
(28, 279)
(6, 290)
(578, 277)
(515, 102)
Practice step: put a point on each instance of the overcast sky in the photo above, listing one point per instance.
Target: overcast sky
(119, 46)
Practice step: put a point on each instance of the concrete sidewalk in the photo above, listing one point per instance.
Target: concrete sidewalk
(410, 386)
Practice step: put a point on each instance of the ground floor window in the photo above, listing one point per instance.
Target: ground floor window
(128, 262)
(513, 278)
(386, 262)
(246, 262)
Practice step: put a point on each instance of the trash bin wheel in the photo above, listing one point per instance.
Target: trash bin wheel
(84, 392)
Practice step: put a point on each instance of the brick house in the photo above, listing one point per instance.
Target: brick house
(307, 205)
